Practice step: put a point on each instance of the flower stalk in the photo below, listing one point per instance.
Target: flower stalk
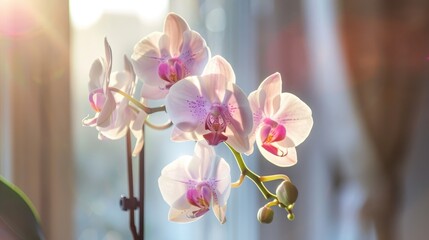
(138, 104)
(245, 171)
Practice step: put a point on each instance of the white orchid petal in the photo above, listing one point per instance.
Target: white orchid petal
(182, 216)
(194, 53)
(295, 115)
(118, 122)
(137, 130)
(203, 161)
(90, 122)
(220, 213)
(269, 92)
(213, 87)
(186, 106)
(223, 187)
(219, 65)
(174, 27)
(108, 108)
(180, 136)
(153, 92)
(241, 143)
(96, 75)
(146, 59)
(191, 184)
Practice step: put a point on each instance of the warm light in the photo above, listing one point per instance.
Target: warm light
(152, 11)
(147, 10)
(16, 18)
(84, 13)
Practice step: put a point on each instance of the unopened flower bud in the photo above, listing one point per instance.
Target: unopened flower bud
(287, 193)
(265, 215)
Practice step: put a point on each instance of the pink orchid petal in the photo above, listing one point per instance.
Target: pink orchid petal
(219, 65)
(295, 115)
(186, 106)
(174, 27)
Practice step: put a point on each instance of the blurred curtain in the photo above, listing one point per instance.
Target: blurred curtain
(386, 45)
(34, 41)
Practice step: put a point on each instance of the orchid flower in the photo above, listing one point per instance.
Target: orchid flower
(281, 121)
(113, 116)
(163, 58)
(211, 107)
(193, 184)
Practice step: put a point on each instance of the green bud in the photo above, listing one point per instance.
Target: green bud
(291, 216)
(265, 215)
(287, 193)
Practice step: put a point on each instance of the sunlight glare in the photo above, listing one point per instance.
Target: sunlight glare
(16, 18)
(147, 10)
(84, 13)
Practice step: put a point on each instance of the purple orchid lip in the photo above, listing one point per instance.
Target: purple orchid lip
(172, 71)
(272, 132)
(216, 124)
(201, 196)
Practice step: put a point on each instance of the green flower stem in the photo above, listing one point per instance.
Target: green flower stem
(238, 182)
(274, 177)
(158, 127)
(245, 171)
(275, 202)
(147, 109)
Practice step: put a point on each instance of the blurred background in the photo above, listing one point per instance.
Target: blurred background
(361, 66)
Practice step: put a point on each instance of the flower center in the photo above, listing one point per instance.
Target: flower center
(200, 196)
(216, 124)
(172, 71)
(97, 99)
(271, 133)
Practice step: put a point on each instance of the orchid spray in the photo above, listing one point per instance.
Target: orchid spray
(204, 105)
